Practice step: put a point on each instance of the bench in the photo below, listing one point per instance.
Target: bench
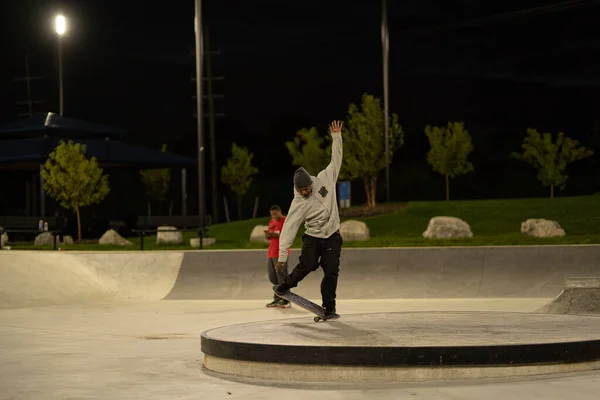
(181, 223)
(20, 224)
(116, 224)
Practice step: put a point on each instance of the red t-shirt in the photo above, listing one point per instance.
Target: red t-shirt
(277, 227)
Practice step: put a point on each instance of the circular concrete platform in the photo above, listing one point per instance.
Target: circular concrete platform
(405, 347)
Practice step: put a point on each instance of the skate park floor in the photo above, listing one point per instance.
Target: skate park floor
(110, 325)
(152, 350)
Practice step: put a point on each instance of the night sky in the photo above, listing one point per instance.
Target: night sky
(498, 66)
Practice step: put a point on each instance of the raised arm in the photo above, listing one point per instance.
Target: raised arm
(332, 171)
(292, 222)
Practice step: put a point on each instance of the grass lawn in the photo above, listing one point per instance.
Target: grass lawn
(493, 222)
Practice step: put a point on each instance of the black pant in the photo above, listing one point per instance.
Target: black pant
(276, 277)
(329, 251)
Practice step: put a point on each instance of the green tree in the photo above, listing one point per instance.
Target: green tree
(551, 158)
(156, 182)
(307, 150)
(364, 143)
(449, 149)
(74, 180)
(238, 172)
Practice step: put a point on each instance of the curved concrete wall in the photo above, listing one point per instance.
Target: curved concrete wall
(38, 278)
(449, 272)
(42, 278)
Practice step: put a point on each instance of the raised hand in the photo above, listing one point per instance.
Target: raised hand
(336, 126)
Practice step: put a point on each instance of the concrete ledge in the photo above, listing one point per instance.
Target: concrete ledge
(582, 283)
(405, 346)
(580, 296)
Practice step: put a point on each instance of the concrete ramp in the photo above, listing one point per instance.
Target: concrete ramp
(41, 278)
(579, 296)
(45, 278)
(400, 273)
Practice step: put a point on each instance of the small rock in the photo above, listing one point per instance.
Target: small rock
(354, 231)
(447, 228)
(112, 237)
(163, 236)
(258, 234)
(540, 227)
(195, 242)
(67, 239)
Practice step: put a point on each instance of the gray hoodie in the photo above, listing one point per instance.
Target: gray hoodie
(319, 212)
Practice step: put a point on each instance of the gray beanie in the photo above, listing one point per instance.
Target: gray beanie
(302, 178)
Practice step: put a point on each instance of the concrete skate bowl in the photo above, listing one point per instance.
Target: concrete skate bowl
(43, 278)
(398, 273)
(48, 278)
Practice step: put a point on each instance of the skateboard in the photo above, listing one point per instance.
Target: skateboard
(307, 305)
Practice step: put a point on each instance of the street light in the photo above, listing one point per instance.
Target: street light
(60, 26)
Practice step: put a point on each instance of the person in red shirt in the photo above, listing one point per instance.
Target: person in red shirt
(277, 277)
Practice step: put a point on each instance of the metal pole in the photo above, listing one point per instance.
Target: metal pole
(385, 41)
(199, 111)
(60, 73)
(42, 193)
(211, 127)
(183, 191)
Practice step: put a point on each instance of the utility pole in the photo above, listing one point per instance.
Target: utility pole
(199, 59)
(385, 42)
(211, 114)
(29, 102)
(30, 113)
(211, 124)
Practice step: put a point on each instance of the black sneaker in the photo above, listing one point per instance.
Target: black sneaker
(284, 304)
(274, 303)
(330, 312)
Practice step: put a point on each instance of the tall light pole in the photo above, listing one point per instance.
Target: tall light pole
(385, 43)
(60, 25)
(199, 112)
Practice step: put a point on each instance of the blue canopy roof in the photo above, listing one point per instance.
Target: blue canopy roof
(34, 151)
(25, 144)
(53, 124)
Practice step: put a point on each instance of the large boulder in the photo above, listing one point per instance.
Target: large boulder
(46, 239)
(447, 228)
(258, 234)
(112, 237)
(354, 231)
(540, 227)
(168, 235)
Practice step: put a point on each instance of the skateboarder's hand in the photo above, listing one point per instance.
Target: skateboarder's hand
(336, 126)
(279, 266)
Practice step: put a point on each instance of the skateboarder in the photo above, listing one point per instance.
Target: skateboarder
(272, 234)
(315, 204)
